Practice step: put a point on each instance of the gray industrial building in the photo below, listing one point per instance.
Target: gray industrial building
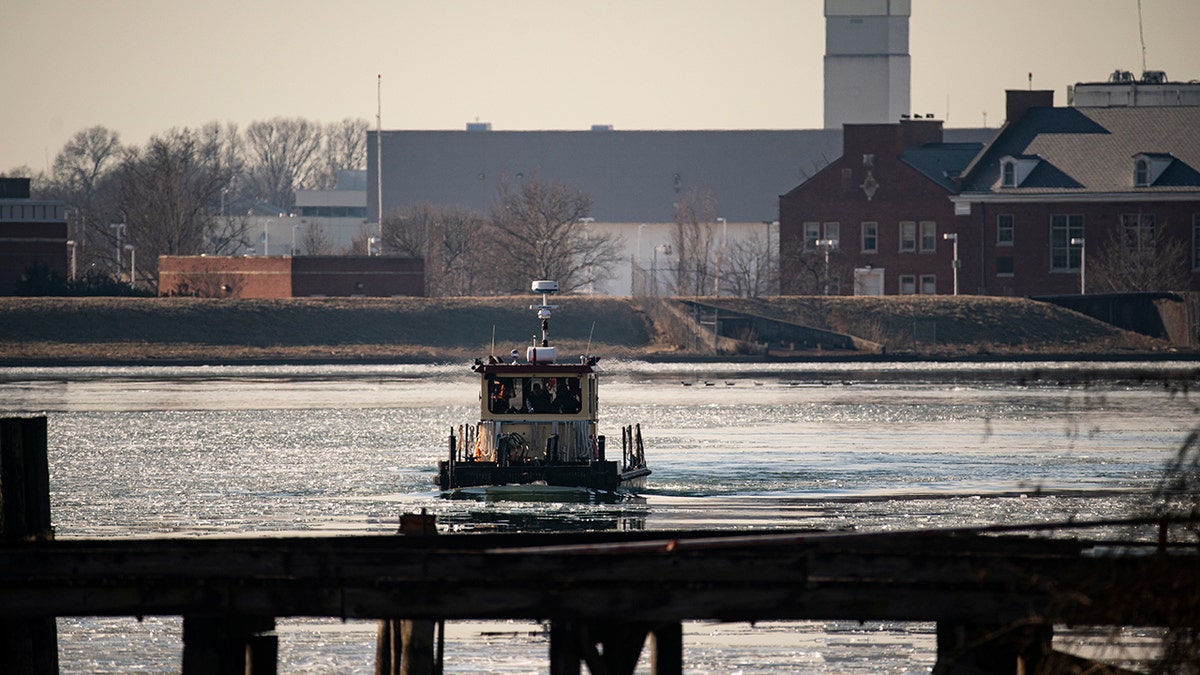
(635, 177)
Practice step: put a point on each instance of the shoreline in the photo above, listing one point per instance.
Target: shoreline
(1060, 369)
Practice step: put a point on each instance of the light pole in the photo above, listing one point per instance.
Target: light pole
(1080, 241)
(266, 238)
(294, 227)
(827, 245)
(132, 264)
(769, 224)
(665, 249)
(120, 230)
(635, 260)
(71, 244)
(953, 236)
(720, 254)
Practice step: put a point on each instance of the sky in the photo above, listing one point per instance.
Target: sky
(142, 67)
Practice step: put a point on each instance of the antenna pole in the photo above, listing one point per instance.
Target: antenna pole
(379, 155)
(1142, 36)
(545, 315)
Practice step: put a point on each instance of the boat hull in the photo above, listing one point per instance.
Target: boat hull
(603, 475)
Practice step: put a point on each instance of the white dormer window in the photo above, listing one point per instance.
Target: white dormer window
(1010, 174)
(1014, 169)
(1148, 166)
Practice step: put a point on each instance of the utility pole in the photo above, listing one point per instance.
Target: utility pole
(953, 236)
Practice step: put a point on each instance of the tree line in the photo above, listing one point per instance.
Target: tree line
(192, 191)
(187, 191)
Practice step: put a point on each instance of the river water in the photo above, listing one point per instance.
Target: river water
(219, 451)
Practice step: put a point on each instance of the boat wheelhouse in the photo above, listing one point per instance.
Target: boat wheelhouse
(538, 424)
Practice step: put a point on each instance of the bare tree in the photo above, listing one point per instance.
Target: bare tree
(694, 242)
(1139, 256)
(282, 156)
(805, 270)
(81, 176)
(344, 147)
(223, 147)
(85, 159)
(315, 241)
(163, 193)
(748, 268)
(540, 233)
(452, 240)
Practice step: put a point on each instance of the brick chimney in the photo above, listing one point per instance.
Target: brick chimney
(1017, 101)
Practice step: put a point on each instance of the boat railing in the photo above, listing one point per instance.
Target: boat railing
(633, 453)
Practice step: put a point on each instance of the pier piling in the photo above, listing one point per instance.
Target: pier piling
(28, 644)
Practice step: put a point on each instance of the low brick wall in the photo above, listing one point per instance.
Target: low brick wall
(290, 277)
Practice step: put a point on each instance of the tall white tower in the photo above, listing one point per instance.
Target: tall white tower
(867, 66)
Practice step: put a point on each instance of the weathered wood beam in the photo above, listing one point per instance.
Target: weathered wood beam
(964, 580)
(29, 640)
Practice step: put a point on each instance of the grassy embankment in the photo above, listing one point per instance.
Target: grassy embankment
(125, 330)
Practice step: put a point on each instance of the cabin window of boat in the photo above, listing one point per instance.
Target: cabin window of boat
(541, 395)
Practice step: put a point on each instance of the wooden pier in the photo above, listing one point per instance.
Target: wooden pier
(995, 593)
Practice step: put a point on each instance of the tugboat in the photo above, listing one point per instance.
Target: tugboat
(537, 424)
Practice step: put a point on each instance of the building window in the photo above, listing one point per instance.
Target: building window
(1004, 266)
(928, 236)
(1064, 257)
(908, 237)
(870, 237)
(1004, 229)
(868, 159)
(1137, 232)
(833, 231)
(908, 284)
(812, 232)
(1009, 174)
(1141, 173)
(928, 284)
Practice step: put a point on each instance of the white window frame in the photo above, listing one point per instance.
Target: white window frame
(1063, 228)
(1137, 230)
(908, 284)
(1005, 225)
(833, 232)
(1012, 261)
(927, 236)
(1141, 173)
(908, 244)
(872, 227)
(812, 232)
(928, 284)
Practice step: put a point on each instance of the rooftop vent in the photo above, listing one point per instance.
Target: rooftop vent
(479, 126)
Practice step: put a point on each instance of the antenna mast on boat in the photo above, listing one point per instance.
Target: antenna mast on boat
(544, 352)
(545, 287)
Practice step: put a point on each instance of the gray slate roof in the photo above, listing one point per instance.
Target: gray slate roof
(1091, 150)
(632, 176)
(942, 162)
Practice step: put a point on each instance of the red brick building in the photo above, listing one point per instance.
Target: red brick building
(1051, 205)
(33, 232)
(1061, 190)
(290, 277)
(872, 222)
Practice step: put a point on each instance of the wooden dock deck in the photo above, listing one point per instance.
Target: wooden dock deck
(995, 593)
(646, 580)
